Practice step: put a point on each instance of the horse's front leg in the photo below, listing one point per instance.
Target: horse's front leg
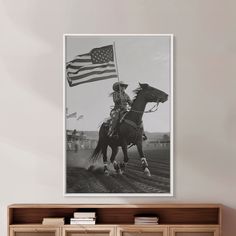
(143, 159)
(125, 151)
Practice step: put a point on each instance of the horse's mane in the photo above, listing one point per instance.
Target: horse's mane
(136, 92)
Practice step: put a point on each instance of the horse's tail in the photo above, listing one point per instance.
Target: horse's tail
(98, 150)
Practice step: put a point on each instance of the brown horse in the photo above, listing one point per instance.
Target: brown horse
(130, 130)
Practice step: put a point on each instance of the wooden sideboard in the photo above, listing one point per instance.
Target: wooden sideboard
(116, 220)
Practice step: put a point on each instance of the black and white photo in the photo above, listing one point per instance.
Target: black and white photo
(118, 113)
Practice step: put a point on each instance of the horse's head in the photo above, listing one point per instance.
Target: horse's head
(152, 94)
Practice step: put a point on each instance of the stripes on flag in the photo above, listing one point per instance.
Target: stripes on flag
(96, 65)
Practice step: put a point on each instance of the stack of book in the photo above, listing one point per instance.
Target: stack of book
(53, 221)
(146, 219)
(85, 218)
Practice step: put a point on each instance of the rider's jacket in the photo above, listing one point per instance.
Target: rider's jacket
(121, 100)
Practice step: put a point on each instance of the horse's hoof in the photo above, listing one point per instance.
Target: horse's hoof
(116, 167)
(122, 168)
(91, 168)
(147, 172)
(106, 172)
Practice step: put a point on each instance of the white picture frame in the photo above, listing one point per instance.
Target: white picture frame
(81, 178)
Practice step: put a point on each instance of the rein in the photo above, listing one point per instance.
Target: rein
(153, 109)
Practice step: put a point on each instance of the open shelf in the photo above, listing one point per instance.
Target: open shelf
(118, 214)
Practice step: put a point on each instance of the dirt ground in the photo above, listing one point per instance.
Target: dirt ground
(85, 177)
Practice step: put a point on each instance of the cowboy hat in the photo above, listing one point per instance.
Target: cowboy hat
(119, 84)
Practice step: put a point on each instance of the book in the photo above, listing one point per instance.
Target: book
(84, 214)
(84, 221)
(146, 219)
(53, 221)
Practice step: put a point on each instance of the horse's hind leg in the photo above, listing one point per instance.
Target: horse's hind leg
(114, 153)
(143, 159)
(126, 158)
(104, 154)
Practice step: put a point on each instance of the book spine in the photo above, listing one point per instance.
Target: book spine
(82, 219)
(82, 223)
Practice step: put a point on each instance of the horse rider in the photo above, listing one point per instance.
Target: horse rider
(121, 101)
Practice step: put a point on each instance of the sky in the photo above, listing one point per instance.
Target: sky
(144, 59)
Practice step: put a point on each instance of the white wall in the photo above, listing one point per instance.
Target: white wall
(31, 95)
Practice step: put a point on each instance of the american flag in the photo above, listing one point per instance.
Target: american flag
(96, 65)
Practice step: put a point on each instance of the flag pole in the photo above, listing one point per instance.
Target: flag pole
(114, 46)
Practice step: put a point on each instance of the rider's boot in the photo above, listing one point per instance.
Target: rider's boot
(111, 130)
(113, 125)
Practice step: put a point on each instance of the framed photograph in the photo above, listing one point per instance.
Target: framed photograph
(118, 115)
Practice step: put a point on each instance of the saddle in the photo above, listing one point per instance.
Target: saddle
(112, 124)
(121, 119)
